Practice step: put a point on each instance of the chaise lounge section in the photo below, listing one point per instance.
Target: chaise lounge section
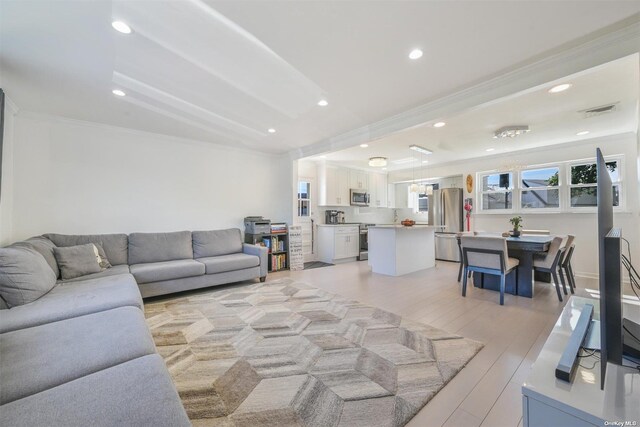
(75, 349)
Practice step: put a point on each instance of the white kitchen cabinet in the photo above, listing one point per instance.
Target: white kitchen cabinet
(402, 196)
(391, 196)
(378, 190)
(338, 243)
(358, 179)
(333, 186)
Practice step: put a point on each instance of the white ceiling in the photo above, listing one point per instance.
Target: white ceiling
(552, 119)
(226, 71)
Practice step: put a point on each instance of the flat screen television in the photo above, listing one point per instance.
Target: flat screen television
(618, 336)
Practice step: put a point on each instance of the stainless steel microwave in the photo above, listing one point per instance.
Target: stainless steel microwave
(359, 197)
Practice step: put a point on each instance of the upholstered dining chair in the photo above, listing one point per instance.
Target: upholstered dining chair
(458, 236)
(487, 255)
(550, 261)
(564, 265)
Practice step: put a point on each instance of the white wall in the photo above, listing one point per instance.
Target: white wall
(583, 225)
(6, 192)
(79, 177)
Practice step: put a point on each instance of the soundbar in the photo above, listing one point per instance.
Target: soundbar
(569, 360)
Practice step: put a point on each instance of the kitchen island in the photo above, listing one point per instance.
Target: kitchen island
(395, 250)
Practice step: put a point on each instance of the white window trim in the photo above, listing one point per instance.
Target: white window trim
(548, 187)
(564, 186)
(619, 183)
(515, 196)
(301, 199)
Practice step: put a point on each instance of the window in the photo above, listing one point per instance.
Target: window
(540, 188)
(497, 191)
(583, 184)
(303, 198)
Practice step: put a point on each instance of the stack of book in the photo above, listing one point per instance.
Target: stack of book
(278, 228)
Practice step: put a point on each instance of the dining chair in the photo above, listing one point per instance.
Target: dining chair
(550, 261)
(564, 265)
(458, 236)
(535, 232)
(487, 255)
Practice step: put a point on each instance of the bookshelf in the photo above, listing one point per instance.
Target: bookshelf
(278, 243)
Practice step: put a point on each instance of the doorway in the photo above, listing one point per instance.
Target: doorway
(307, 208)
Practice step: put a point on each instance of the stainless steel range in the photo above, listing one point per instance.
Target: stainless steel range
(364, 242)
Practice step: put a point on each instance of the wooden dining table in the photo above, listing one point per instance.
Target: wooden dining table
(524, 248)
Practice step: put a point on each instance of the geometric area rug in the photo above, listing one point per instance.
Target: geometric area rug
(284, 353)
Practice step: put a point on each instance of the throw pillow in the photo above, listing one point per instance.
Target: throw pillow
(76, 261)
(101, 256)
(25, 276)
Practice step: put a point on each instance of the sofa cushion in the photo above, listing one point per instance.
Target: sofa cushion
(112, 271)
(220, 264)
(167, 270)
(115, 245)
(76, 261)
(25, 276)
(44, 247)
(73, 299)
(216, 242)
(36, 359)
(138, 393)
(157, 247)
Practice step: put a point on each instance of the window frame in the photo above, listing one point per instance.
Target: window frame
(564, 187)
(548, 187)
(515, 196)
(302, 199)
(592, 161)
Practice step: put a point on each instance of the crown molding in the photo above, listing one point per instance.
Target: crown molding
(611, 43)
(170, 138)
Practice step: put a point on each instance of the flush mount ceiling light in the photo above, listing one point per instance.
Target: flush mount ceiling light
(439, 124)
(583, 132)
(415, 54)
(121, 27)
(420, 149)
(271, 130)
(377, 162)
(118, 92)
(488, 150)
(323, 103)
(364, 145)
(511, 131)
(384, 169)
(560, 88)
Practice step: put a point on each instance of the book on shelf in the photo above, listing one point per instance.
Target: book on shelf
(278, 228)
(278, 262)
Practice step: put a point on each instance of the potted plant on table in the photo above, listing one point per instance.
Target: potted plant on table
(516, 221)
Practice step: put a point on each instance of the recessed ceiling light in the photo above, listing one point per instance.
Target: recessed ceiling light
(121, 27)
(118, 92)
(583, 132)
(439, 124)
(364, 145)
(323, 103)
(271, 130)
(415, 54)
(560, 88)
(384, 169)
(489, 149)
(420, 149)
(425, 161)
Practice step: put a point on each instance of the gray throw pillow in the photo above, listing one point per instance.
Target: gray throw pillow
(25, 276)
(76, 261)
(44, 247)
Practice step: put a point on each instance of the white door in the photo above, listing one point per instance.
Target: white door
(307, 216)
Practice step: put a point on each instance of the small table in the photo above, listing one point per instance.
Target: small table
(522, 248)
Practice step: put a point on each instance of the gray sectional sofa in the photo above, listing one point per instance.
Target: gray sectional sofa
(76, 351)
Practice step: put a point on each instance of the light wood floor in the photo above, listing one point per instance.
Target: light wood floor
(487, 391)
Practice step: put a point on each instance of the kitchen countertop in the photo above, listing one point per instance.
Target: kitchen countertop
(402, 226)
(342, 224)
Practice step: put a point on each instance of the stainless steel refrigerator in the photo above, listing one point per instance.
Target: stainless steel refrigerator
(446, 211)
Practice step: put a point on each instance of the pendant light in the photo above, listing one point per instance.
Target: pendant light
(413, 187)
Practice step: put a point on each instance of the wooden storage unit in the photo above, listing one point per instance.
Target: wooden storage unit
(278, 244)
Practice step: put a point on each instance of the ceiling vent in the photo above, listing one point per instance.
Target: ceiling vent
(598, 111)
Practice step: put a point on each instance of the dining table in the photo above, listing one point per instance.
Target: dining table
(523, 248)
